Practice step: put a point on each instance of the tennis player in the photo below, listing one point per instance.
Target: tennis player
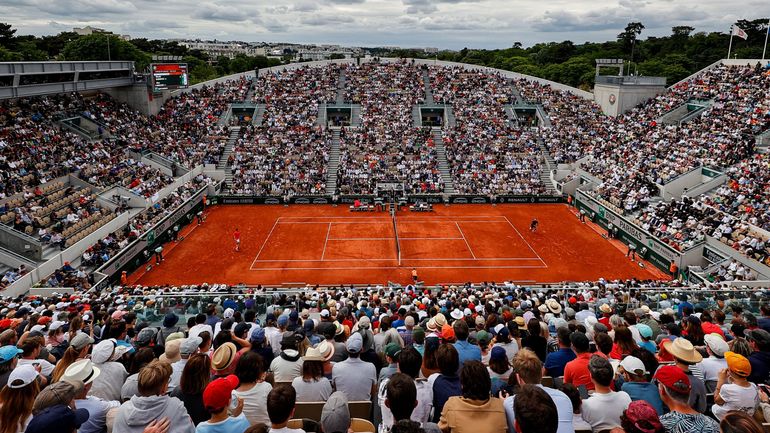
(237, 239)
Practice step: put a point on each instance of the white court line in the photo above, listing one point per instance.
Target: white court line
(264, 243)
(466, 240)
(361, 239)
(326, 241)
(525, 241)
(390, 259)
(428, 239)
(398, 267)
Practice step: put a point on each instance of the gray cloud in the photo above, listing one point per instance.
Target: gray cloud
(411, 23)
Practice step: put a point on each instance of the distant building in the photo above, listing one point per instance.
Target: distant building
(227, 49)
(88, 30)
(431, 50)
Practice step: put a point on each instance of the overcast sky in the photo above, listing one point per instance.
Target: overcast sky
(452, 24)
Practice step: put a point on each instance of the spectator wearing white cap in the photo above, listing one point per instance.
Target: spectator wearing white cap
(708, 369)
(21, 390)
(113, 374)
(635, 384)
(187, 347)
(85, 371)
(354, 377)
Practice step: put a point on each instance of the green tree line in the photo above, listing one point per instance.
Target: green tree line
(675, 56)
(103, 46)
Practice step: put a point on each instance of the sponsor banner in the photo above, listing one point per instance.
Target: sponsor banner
(712, 256)
(647, 245)
(529, 199)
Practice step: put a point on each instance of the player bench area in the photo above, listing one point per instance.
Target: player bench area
(414, 240)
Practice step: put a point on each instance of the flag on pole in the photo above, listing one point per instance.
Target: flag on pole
(737, 31)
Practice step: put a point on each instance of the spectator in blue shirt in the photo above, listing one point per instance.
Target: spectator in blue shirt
(635, 383)
(465, 350)
(555, 361)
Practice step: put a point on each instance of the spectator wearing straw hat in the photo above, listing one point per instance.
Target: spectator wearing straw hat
(224, 359)
(685, 355)
(312, 385)
(674, 389)
(84, 371)
(734, 391)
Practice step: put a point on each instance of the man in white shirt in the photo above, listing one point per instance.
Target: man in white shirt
(529, 370)
(200, 326)
(604, 408)
(708, 369)
(32, 347)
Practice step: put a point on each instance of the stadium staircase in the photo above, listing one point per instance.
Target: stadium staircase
(416, 116)
(549, 164)
(511, 113)
(443, 163)
(450, 117)
(258, 114)
(320, 120)
(428, 90)
(355, 115)
(341, 83)
(516, 95)
(545, 119)
(224, 119)
(685, 112)
(334, 162)
(251, 92)
(235, 132)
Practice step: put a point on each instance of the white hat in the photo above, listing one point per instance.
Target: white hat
(83, 370)
(228, 313)
(633, 365)
(456, 314)
(25, 373)
(716, 344)
(55, 325)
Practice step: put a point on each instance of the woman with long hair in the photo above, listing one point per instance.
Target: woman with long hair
(252, 387)
(624, 344)
(78, 349)
(195, 377)
(312, 385)
(17, 399)
(739, 422)
(694, 329)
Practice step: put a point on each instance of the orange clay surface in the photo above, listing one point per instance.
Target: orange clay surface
(318, 244)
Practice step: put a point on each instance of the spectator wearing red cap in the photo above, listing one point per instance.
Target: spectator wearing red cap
(217, 398)
(674, 388)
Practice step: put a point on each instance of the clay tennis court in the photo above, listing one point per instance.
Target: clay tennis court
(318, 244)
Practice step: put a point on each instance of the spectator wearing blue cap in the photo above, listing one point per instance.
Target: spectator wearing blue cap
(309, 327)
(356, 378)
(58, 419)
(504, 340)
(259, 345)
(645, 332)
(9, 356)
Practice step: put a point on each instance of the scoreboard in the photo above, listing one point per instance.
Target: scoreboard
(169, 76)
